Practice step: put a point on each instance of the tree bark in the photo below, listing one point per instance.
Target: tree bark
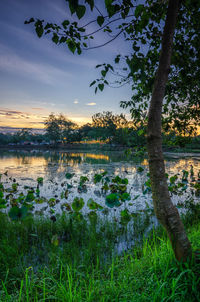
(165, 211)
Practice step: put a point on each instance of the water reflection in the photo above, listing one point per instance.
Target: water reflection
(26, 167)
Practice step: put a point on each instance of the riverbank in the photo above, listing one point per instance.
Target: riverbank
(42, 260)
(94, 147)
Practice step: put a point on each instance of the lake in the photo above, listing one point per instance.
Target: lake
(25, 167)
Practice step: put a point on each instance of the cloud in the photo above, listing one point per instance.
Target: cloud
(76, 101)
(39, 71)
(91, 104)
(45, 46)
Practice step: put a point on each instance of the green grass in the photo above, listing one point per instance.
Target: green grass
(83, 266)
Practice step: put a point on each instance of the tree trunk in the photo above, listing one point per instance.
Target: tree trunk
(165, 211)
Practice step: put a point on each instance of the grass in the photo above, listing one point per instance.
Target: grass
(64, 261)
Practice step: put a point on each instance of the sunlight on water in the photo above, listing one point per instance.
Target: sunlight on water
(26, 167)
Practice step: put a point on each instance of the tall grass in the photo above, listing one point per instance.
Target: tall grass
(45, 261)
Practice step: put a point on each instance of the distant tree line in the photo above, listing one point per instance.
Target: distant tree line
(105, 127)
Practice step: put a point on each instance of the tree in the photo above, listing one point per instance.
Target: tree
(162, 80)
(59, 128)
(22, 135)
(107, 124)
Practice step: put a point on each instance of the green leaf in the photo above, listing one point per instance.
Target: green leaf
(83, 179)
(104, 72)
(100, 20)
(29, 197)
(138, 10)
(108, 3)
(125, 196)
(92, 205)
(52, 202)
(91, 3)
(71, 45)
(40, 180)
(125, 216)
(66, 206)
(92, 83)
(117, 59)
(65, 23)
(112, 200)
(39, 28)
(77, 204)
(55, 38)
(80, 11)
(101, 87)
(140, 169)
(29, 21)
(97, 178)
(69, 175)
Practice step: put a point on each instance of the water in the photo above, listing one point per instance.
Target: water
(25, 167)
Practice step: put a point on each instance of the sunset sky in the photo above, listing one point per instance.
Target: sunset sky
(38, 77)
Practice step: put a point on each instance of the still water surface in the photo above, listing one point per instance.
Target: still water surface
(25, 167)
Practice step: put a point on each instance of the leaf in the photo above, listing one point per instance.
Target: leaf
(100, 20)
(103, 72)
(40, 180)
(83, 179)
(101, 87)
(125, 216)
(117, 59)
(92, 205)
(112, 200)
(65, 23)
(69, 175)
(140, 169)
(125, 196)
(92, 83)
(80, 11)
(66, 206)
(55, 38)
(71, 45)
(91, 3)
(108, 3)
(52, 202)
(29, 21)
(29, 197)
(39, 28)
(138, 10)
(97, 178)
(77, 204)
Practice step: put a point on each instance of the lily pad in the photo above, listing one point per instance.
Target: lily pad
(112, 200)
(66, 206)
(40, 180)
(52, 202)
(125, 217)
(93, 205)
(125, 196)
(69, 175)
(30, 197)
(77, 204)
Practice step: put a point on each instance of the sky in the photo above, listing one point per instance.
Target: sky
(38, 77)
